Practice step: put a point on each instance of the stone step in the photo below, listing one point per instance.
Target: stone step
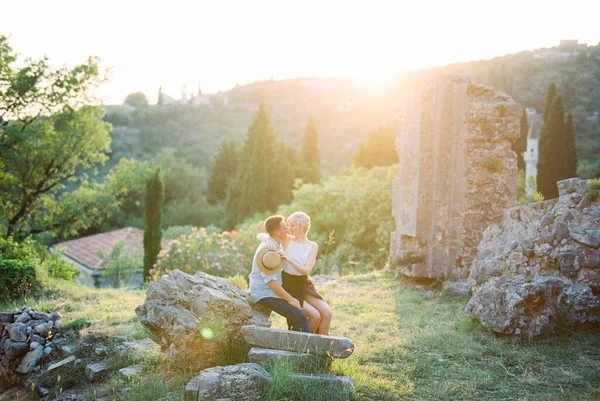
(285, 340)
(340, 384)
(298, 362)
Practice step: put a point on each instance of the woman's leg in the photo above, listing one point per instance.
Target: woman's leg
(314, 317)
(323, 309)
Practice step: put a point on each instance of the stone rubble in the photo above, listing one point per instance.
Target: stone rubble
(540, 266)
(27, 339)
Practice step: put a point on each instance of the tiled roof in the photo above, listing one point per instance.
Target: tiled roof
(85, 250)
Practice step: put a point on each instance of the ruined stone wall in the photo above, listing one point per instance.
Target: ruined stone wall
(457, 174)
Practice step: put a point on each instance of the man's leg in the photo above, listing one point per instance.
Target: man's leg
(295, 316)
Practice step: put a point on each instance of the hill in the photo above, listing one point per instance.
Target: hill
(347, 110)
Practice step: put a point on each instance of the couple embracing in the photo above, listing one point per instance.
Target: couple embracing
(280, 277)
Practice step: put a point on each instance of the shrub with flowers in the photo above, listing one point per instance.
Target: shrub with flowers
(223, 254)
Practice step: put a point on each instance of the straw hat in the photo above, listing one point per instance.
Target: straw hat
(269, 261)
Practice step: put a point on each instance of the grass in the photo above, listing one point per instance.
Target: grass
(411, 344)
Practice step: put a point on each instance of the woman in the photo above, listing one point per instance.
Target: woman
(300, 256)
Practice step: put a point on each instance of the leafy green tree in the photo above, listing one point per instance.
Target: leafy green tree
(48, 153)
(263, 178)
(521, 144)
(137, 99)
(223, 170)
(379, 150)
(569, 149)
(155, 197)
(310, 159)
(551, 160)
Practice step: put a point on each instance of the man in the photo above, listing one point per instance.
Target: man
(267, 289)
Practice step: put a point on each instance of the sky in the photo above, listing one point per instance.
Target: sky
(147, 44)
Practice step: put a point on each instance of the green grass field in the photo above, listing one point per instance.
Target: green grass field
(410, 345)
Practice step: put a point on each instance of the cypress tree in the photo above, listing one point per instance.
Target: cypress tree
(521, 144)
(569, 149)
(263, 177)
(222, 172)
(155, 198)
(160, 96)
(550, 95)
(551, 160)
(310, 159)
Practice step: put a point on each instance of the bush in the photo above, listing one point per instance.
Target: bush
(17, 278)
(45, 262)
(224, 254)
(351, 218)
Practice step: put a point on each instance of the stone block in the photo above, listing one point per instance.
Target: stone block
(241, 382)
(130, 371)
(15, 348)
(459, 288)
(95, 371)
(298, 362)
(30, 360)
(285, 340)
(17, 332)
(61, 363)
(339, 384)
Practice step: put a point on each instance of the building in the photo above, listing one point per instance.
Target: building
(530, 156)
(87, 254)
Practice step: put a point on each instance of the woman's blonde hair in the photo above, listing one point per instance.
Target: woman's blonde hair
(302, 219)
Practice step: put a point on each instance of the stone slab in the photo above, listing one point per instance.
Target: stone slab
(30, 360)
(299, 362)
(285, 340)
(341, 384)
(61, 363)
(130, 371)
(94, 371)
(192, 389)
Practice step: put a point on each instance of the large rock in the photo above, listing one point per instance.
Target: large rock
(196, 319)
(457, 175)
(241, 382)
(285, 340)
(520, 306)
(558, 237)
(30, 360)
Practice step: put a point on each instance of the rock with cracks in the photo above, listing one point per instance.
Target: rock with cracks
(241, 382)
(196, 319)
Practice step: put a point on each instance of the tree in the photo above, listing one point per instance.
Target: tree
(155, 198)
(49, 153)
(30, 90)
(137, 99)
(550, 95)
(223, 170)
(520, 145)
(379, 150)
(263, 177)
(160, 96)
(569, 149)
(551, 160)
(310, 159)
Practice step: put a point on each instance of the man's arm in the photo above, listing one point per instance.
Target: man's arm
(283, 294)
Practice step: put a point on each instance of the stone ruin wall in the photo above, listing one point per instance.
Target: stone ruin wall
(457, 175)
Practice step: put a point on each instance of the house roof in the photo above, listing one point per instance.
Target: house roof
(85, 250)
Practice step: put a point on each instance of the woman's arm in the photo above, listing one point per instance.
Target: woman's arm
(310, 263)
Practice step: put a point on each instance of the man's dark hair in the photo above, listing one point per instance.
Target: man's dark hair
(272, 223)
